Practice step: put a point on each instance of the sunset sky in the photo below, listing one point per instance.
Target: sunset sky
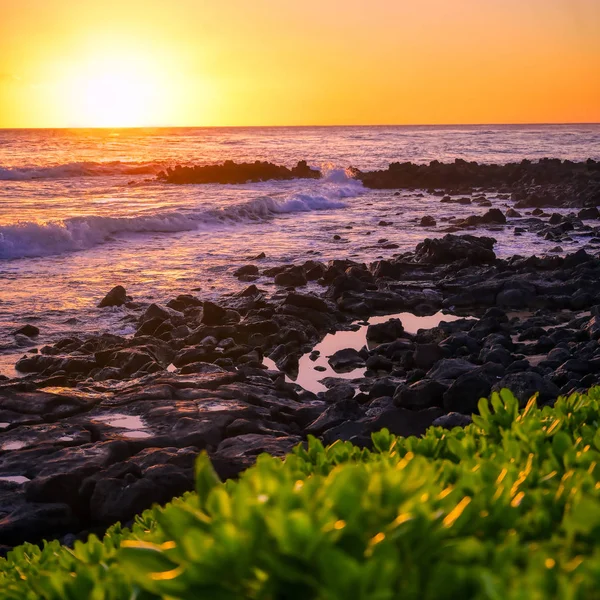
(66, 63)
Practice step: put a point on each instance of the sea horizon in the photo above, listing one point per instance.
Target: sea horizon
(323, 126)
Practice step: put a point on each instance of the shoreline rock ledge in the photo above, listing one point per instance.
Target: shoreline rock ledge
(101, 427)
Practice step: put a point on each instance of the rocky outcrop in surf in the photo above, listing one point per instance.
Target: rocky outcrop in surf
(565, 183)
(549, 182)
(232, 172)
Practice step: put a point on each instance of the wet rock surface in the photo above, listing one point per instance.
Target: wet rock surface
(231, 172)
(99, 428)
(116, 297)
(545, 183)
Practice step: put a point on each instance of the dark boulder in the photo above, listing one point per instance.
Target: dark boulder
(465, 392)
(346, 360)
(344, 410)
(555, 219)
(422, 394)
(237, 453)
(116, 297)
(516, 294)
(426, 355)
(589, 213)
(496, 354)
(383, 387)
(377, 362)
(339, 392)
(246, 271)
(526, 384)
(212, 314)
(27, 330)
(122, 499)
(450, 368)
(404, 422)
(388, 331)
(59, 487)
(497, 314)
(33, 522)
(307, 301)
(292, 277)
(493, 216)
(159, 313)
(451, 248)
(452, 420)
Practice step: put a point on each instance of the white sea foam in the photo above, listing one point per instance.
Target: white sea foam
(332, 174)
(79, 169)
(31, 239)
(79, 233)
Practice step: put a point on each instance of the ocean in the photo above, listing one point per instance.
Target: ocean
(81, 211)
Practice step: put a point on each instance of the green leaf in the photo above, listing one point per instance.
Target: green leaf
(146, 557)
(561, 443)
(206, 477)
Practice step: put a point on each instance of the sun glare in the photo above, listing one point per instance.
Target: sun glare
(116, 92)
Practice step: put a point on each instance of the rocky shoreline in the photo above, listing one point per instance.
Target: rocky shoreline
(546, 183)
(101, 427)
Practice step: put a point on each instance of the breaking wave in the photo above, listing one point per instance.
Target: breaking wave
(80, 169)
(31, 239)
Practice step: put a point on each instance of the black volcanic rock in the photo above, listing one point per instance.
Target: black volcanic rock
(450, 248)
(425, 393)
(464, 393)
(493, 216)
(388, 331)
(104, 425)
(291, 277)
(28, 330)
(547, 182)
(427, 221)
(346, 359)
(246, 271)
(212, 314)
(231, 172)
(589, 213)
(526, 384)
(116, 297)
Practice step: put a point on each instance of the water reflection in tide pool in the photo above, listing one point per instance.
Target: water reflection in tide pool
(133, 424)
(14, 445)
(18, 479)
(310, 378)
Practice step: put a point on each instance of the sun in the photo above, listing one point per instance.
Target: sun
(118, 100)
(117, 91)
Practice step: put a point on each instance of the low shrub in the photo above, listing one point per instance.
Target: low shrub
(507, 508)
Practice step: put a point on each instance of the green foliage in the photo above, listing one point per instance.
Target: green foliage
(507, 508)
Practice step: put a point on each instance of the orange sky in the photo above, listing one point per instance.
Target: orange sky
(288, 62)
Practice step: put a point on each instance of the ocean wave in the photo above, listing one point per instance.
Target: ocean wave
(31, 239)
(80, 169)
(104, 169)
